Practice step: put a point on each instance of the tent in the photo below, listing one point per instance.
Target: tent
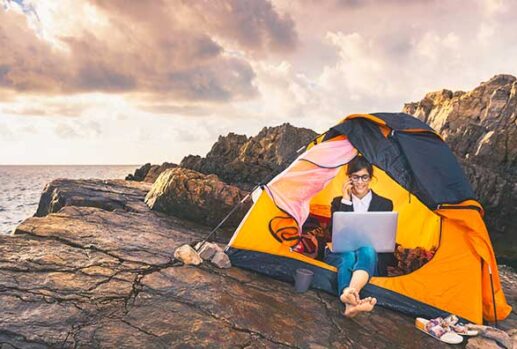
(437, 208)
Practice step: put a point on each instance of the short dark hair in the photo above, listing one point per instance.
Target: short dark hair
(357, 164)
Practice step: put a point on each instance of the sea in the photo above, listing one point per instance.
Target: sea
(21, 186)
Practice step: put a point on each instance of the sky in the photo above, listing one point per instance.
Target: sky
(130, 81)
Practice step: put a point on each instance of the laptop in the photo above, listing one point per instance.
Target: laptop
(351, 230)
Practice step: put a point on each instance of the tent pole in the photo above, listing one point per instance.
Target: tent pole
(227, 216)
(493, 293)
(249, 194)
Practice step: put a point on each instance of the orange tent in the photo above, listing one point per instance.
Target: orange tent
(436, 205)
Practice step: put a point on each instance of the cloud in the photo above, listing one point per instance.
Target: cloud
(66, 131)
(6, 133)
(169, 48)
(174, 109)
(91, 128)
(30, 129)
(254, 25)
(42, 107)
(80, 129)
(145, 73)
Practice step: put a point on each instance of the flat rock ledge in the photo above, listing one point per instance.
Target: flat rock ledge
(104, 276)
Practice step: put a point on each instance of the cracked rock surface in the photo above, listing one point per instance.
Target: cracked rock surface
(91, 276)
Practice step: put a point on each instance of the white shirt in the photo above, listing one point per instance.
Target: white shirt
(359, 205)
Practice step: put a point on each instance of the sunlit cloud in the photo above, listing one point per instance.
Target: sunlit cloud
(166, 78)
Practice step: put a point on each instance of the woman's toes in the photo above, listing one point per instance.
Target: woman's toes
(367, 304)
(349, 296)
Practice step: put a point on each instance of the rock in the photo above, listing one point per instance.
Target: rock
(110, 194)
(140, 173)
(208, 250)
(481, 343)
(202, 198)
(480, 126)
(155, 171)
(221, 260)
(89, 277)
(149, 173)
(246, 162)
(187, 255)
(495, 334)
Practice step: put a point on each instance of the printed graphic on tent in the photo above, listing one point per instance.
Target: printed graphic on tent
(437, 209)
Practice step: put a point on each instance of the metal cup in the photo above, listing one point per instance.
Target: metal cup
(302, 280)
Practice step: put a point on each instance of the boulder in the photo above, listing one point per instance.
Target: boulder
(192, 195)
(480, 126)
(187, 255)
(246, 162)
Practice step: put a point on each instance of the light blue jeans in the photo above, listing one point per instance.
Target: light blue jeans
(364, 258)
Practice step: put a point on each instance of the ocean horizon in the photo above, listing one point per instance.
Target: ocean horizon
(21, 186)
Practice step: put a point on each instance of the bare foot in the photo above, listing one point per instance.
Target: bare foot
(365, 305)
(349, 296)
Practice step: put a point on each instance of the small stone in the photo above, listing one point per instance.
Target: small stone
(221, 260)
(208, 250)
(187, 255)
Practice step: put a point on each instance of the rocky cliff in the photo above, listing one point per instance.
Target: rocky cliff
(245, 162)
(480, 126)
(149, 173)
(98, 271)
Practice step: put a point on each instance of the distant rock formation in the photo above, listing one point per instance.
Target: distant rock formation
(202, 198)
(149, 173)
(480, 126)
(140, 173)
(245, 162)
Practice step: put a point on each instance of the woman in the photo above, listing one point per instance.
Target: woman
(355, 268)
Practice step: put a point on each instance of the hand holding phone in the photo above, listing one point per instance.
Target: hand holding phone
(347, 189)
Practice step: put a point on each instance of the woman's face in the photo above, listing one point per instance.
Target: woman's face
(360, 182)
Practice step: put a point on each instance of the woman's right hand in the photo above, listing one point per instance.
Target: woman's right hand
(347, 187)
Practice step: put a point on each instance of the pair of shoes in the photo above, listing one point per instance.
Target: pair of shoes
(453, 323)
(436, 328)
(448, 330)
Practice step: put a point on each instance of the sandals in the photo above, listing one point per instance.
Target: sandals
(435, 329)
(447, 330)
(452, 322)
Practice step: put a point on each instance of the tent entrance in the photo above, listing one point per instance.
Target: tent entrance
(418, 226)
